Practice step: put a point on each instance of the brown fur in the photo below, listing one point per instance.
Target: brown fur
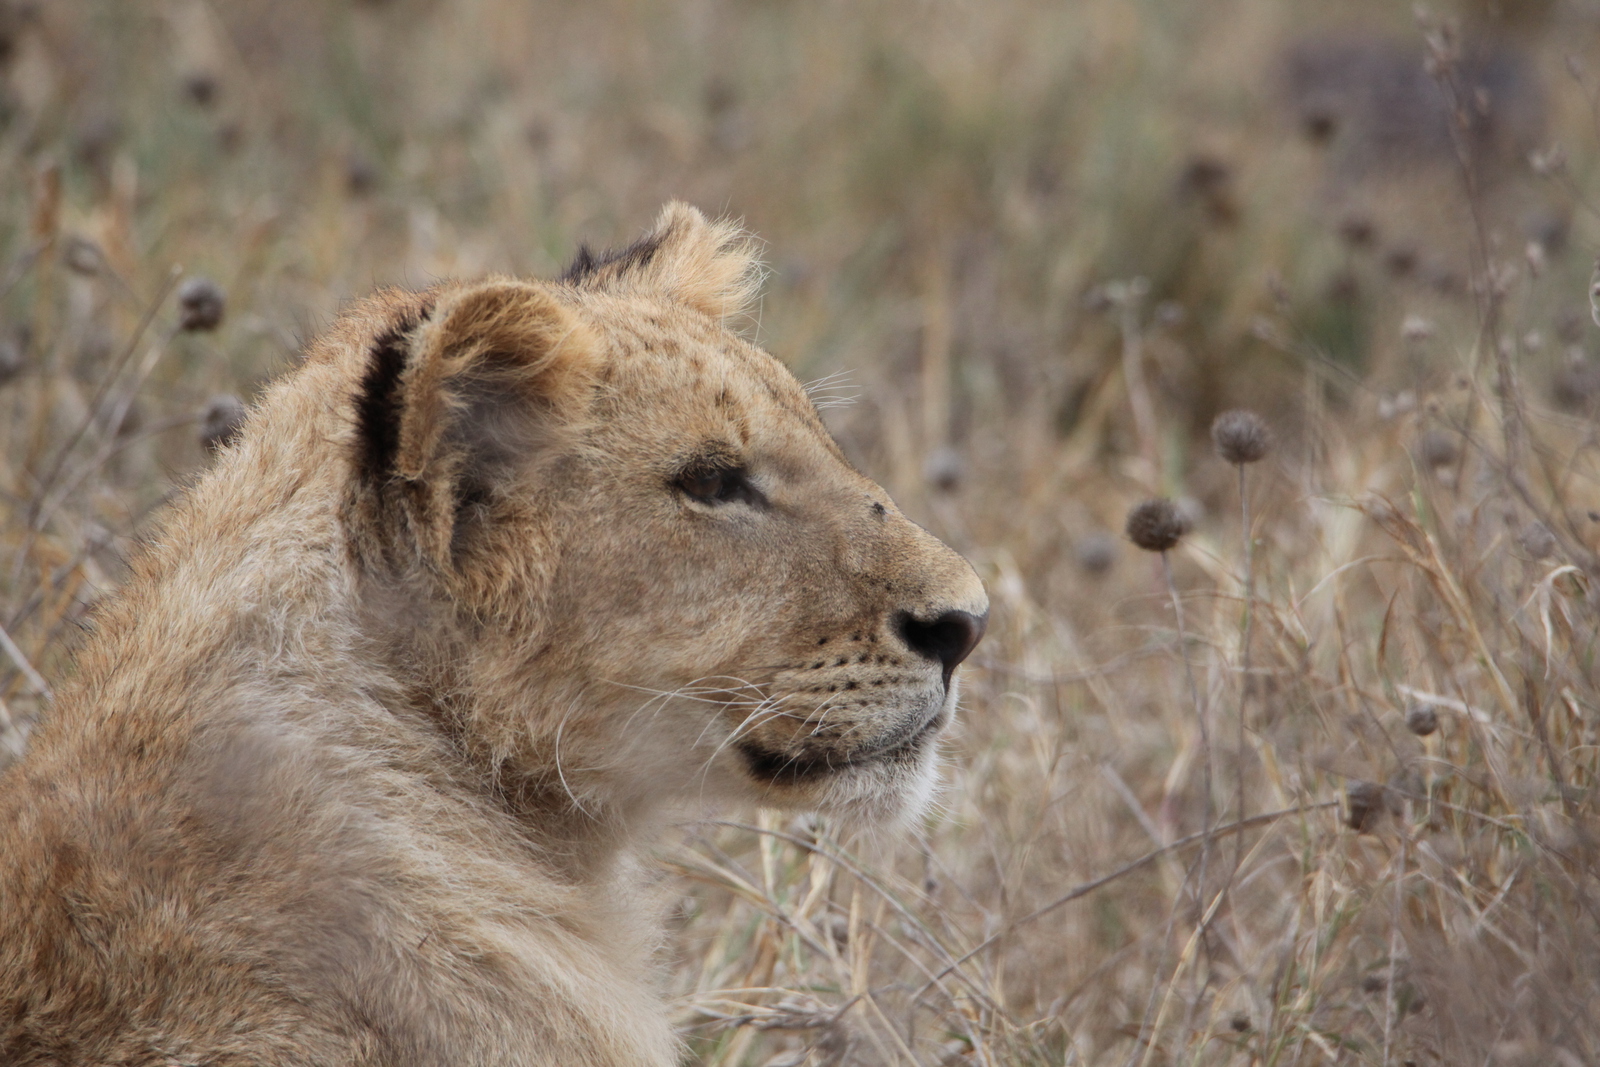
(354, 769)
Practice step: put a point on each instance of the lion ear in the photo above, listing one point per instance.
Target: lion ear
(455, 399)
(710, 266)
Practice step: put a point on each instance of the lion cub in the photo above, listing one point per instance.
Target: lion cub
(505, 576)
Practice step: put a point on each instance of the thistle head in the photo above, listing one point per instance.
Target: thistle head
(1240, 436)
(1156, 525)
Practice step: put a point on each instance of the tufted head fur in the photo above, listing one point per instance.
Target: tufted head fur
(504, 576)
(708, 266)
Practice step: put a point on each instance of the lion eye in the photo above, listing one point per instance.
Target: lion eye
(719, 485)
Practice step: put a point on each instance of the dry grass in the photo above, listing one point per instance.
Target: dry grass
(1048, 242)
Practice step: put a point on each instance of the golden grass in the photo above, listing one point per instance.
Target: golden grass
(1047, 242)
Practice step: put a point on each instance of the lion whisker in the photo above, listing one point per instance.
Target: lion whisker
(561, 774)
(773, 711)
(748, 723)
(827, 381)
(661, 697)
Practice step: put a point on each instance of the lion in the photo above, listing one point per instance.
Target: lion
(363, 762)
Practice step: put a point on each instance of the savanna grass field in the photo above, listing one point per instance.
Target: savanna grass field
(1316, 784)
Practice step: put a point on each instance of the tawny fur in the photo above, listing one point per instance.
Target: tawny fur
(357, 767)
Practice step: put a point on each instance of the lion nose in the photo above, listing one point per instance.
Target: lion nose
(948, 638)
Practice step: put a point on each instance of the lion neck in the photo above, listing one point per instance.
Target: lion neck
(585, 823)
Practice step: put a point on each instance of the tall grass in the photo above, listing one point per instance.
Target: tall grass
(1047, 242)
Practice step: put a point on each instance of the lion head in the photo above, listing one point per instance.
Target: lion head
(613, 543)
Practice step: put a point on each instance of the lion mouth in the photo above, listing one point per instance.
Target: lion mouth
(795, 767)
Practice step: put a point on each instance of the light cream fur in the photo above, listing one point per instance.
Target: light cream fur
(358, 766)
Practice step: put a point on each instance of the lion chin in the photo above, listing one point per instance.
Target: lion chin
(883, 797)
(503, 579)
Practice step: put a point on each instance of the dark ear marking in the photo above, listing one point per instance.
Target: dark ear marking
(586, 264)
(379, 404)
(378, 407)
(583, 264)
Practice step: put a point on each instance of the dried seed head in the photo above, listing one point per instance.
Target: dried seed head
(1576, 384)
(1156, 525)
(13, 360)
(360, 175)
(220, 421)
(1240, 436)
(201, 303)
(1204, 172)
(82, 256)
(1358, 231)
(1400, 261)
(1097, 300)
(1443, 280)
(1364, 803)
(1319, 124)
(1421, 718)
(1209, 182)
(1537, 540)
(200, 87)
(1437, 448)
(838, 928)
(1096, 552)
(94, 140)
(944, 469)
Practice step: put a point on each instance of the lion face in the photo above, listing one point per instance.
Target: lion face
(678, 587)
(762, 593)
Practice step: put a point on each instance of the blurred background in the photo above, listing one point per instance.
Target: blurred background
(1026, 251)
